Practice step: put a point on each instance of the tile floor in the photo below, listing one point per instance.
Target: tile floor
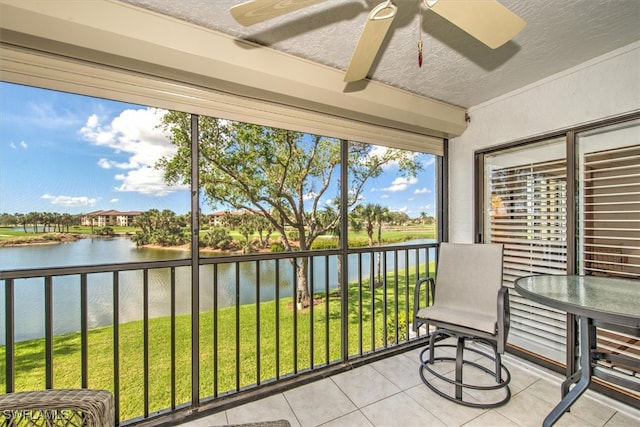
(389, 392)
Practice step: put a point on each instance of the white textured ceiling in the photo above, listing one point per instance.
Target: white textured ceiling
(457, 68)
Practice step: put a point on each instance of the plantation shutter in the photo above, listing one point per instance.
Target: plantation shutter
(526, 205)
(609, 237)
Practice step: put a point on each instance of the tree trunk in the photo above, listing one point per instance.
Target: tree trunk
(303, 297)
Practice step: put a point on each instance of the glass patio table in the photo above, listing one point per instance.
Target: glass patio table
(610, 302)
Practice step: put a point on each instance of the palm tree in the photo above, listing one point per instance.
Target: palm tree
(381, 215)
(23, 220)
(34, 218)
(65, 221)
(373, 216)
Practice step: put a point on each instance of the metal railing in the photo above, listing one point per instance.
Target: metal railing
(129, 326)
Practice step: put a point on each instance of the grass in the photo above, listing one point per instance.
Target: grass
(10, 236)
(30, 355)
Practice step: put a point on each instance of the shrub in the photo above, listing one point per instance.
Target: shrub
(391, 330)
(325, 244)
(277, 247)
(104, 231)
(217, 238)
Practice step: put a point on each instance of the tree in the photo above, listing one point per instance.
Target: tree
(373, 216)
(162, 228)
(282, 175)
(8, 219)
(34, 218)
(23, 220)
(263, 226)
(67, 220)
(366, 217)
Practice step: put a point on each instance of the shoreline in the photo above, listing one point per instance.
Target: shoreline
(54, 239)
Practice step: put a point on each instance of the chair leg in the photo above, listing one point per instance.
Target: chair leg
(459, 363)
(432, 346)
(502, 378)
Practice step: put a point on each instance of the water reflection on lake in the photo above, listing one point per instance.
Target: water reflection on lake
(29, 293)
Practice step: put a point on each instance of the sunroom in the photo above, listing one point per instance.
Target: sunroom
(546, 164)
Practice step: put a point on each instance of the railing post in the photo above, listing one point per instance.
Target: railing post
(195, 263)
(9, 336)
(344, 247)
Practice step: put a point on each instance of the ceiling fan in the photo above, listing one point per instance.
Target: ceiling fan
(486, 20)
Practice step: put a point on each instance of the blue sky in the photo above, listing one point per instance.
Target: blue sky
(69, 153)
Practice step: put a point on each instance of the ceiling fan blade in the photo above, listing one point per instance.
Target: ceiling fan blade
(373, 33)
(486, 20)
(255, 11)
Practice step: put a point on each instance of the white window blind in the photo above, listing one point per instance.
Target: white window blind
(527, 214)
(609, 228)
(611, 212)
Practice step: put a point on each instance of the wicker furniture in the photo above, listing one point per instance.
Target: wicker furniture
(73, 407)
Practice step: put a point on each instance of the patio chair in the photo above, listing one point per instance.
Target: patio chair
(469, 304)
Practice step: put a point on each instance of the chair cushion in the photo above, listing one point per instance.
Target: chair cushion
(468, 319)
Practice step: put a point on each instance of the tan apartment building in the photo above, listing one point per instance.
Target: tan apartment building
(111, 217)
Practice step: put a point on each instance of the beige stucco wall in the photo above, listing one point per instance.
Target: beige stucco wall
(604, 87)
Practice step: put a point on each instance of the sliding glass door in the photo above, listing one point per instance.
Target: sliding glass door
(568, 203)
(525, 208)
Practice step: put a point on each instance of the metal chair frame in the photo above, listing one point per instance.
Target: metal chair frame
(496, 340)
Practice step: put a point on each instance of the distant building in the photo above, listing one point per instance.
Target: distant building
(215, 218)
(109, 218)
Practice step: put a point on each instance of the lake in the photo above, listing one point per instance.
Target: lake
(29, 293)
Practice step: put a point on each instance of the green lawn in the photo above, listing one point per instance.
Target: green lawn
(30, 365)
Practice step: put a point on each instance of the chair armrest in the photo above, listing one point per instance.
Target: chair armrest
(504, 318)
(430, 293)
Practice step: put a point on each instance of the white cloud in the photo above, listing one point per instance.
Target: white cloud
(109, 164)
(423, 190)
(384, 196)
(70, 201)
(401, 184)
(429, 161)
(146, 180)
(403, 180)
(135, 134)
(381, 151)
(21, 144)
(114, 200)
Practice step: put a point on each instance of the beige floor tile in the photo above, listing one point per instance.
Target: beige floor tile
(451, 413)
(365, 385)
(585, 407)
(622, 420)
(400, 370)
(521, 378)
(268, 409)
(477, 377)
(318, 402)
(527, 410)
(491, 418)
(391, 393)
(353, 419)
(219, 419)
(400, 410)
